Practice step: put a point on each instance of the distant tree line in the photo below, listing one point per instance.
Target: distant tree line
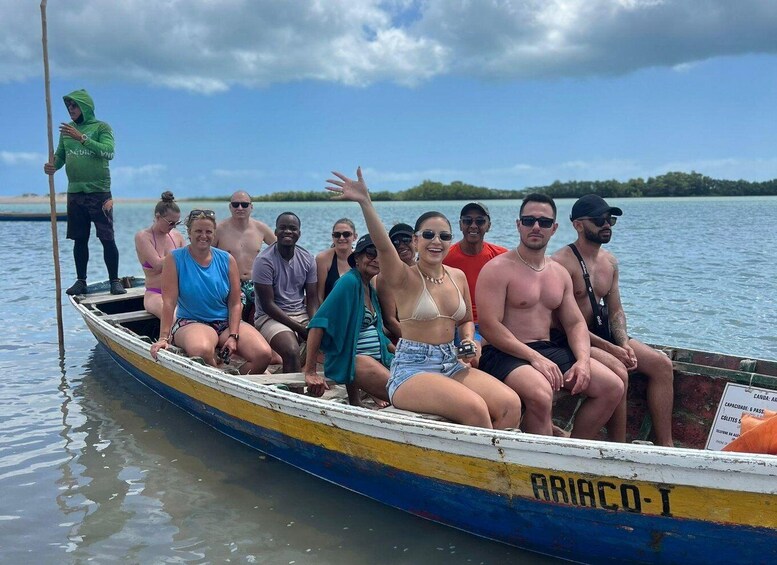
(670, 184)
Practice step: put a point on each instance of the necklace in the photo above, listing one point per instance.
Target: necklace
(532, 267)
(432, 279)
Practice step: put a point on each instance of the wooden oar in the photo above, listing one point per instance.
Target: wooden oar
(52, 193)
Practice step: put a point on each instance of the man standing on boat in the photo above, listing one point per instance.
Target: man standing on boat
(85, 147)
(285, 280)
(242, 236)
(520, 293)
(595, 274)
(473, 252)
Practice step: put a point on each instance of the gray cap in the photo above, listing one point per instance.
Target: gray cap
(479, 205)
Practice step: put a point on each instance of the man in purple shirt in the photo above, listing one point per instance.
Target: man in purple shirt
(285, 291)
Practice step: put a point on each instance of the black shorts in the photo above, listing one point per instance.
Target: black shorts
(83, 208)
(500, 364)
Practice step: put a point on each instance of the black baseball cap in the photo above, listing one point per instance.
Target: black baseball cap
(593, 206)
(479, 205)
(399, 229)
(364, 242)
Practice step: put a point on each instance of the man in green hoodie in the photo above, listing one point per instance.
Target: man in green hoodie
(85, 147)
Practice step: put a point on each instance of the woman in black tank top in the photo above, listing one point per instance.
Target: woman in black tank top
(332, 263)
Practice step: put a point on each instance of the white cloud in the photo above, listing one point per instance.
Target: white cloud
(208, 46)
(21, 158)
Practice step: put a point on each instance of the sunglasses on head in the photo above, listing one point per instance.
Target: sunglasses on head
(528, 221)
(430, 234)
(401, 239)
(599, 222)
(339, 234)
(240, 204)
(479, 221)
(196, 214)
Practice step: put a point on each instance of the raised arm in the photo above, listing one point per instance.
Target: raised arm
(356, 191)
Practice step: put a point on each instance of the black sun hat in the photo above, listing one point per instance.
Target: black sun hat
(364, 242)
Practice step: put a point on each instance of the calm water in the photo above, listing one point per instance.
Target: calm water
(96, 468)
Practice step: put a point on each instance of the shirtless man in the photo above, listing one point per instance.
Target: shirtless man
(518, 295)
(593, 219)
(242, 237)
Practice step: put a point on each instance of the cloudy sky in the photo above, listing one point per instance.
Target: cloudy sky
(208, 96)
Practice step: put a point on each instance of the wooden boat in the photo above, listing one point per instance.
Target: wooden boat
(31, 216)
(586, 501)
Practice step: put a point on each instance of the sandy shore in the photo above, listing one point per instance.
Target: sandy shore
(60, 198)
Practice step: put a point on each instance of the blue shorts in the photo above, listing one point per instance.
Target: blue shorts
(414, 357)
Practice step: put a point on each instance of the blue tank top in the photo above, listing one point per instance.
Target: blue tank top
(202, 291)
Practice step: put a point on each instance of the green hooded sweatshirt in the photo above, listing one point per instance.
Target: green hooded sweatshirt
(86, 164)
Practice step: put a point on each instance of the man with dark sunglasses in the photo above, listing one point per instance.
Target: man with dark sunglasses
(599, 299)
(401, 236)
(242, 236)
(521, 293)
(473, 252)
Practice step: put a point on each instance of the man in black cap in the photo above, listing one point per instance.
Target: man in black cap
(401, 236)
(594, 274)
(472, 252)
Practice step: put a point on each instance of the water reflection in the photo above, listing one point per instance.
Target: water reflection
(149, 482)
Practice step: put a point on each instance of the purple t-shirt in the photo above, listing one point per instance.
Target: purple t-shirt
(287, 278)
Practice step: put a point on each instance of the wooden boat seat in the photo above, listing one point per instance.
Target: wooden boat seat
(105, 297)
(125, 317)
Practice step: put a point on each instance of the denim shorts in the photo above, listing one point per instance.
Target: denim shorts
(414, 357)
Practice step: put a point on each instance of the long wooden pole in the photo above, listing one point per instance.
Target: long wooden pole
(52, 193)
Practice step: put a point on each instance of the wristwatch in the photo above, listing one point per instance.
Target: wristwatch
(236, 336)
(84, 138)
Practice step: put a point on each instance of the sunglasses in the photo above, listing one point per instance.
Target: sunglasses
(479, 221)
(240, 204)
(599, 222)
(371, 252)
(528, 221)
(339, 234)
(71, 104)
(195, 214)
(431, 234)
(169, 223)
(401, 240)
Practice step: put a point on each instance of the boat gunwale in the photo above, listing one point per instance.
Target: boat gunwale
(505, 446)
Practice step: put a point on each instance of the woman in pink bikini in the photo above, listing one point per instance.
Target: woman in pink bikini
(152, 244)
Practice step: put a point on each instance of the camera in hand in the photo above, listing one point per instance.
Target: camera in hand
(465, 350)
(224, 354)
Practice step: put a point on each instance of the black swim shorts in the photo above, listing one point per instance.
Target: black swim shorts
(83, 208)
(500, 364)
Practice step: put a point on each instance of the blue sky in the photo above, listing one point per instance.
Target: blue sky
(207, 97)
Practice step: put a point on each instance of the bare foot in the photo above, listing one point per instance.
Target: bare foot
(559, 432)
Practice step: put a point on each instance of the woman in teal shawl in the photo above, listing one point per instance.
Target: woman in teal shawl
(348, 328)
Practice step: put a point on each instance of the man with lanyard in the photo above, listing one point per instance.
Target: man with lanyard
(595, 276)
(242, 236)
(285, 278)
(85, 147)
(473, 252)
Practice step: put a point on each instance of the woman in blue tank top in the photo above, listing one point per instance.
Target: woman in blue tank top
(203, 284)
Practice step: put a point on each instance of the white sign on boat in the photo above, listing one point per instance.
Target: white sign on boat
(737, 399)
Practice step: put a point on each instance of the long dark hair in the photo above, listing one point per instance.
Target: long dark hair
(431, 214)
